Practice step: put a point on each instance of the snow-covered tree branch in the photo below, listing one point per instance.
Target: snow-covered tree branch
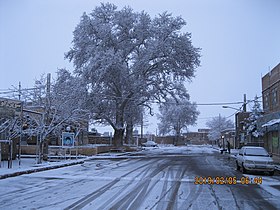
(127, 57)
(251, 122)
(176, 115)
(217, 125)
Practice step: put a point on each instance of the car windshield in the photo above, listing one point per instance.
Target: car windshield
(256, 152)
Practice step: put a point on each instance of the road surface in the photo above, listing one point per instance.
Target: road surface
(160, 178)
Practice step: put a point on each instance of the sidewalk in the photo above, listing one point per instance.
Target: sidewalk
(29, 165)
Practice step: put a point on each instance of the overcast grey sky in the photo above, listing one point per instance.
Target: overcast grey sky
(240, 41)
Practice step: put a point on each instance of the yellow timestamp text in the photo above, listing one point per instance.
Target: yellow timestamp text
(227, 180)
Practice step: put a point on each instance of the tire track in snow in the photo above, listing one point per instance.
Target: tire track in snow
(92, 196)
(168, 197)
(141, 175)
(135, 197)
(194, 193)
(174, 190)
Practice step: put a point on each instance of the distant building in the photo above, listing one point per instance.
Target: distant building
(9, 109)
(200, 137)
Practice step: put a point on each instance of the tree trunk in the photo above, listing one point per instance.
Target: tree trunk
(177, 130)
(39, 150)
(129, 133)
(119, 129)
(45, 150)
(118, 137)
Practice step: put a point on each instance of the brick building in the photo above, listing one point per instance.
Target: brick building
(199, 137)
(270, 122)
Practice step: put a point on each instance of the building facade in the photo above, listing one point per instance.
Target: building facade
(269, 124)
(200, 137)
(271, 90)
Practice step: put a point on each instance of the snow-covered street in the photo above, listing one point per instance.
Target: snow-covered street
(156, 178)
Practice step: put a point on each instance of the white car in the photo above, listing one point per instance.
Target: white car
(254, 159)
(150, 143)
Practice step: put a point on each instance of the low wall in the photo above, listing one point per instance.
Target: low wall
(165, 139)
(28, 149)
(99, 139)
(89, 151)
(55, 150)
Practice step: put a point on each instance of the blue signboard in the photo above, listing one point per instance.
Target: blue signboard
(68, 139)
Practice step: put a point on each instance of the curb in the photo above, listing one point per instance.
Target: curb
(39, 169)
(29, 171)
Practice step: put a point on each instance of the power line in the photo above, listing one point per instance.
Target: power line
(7, 92)
(218, 104)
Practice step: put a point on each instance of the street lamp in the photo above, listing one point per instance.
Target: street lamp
(223, 141)
(229, 107)
(68, 128)
(238, 132)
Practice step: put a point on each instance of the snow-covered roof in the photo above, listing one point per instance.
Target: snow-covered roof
(271, 122)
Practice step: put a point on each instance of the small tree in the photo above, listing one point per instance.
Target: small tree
(47, 108)
(176, 115)
(47, 111)
(217, 125)
(251, 122)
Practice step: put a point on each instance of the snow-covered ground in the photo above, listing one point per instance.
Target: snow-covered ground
(155, 178)
(30, 163)
(269, 184)
(191, 149)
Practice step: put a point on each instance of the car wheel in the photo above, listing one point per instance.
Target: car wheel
(244, 171)
(237, 166)
(271, 173)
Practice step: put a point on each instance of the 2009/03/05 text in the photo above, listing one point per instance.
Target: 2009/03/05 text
(228, 180)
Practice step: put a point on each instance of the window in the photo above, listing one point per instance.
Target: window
(266, 102)
(274, 97)
(256, 152)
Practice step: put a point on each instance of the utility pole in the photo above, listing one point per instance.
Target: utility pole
(141, 132)
(244, 103)
(48, 90)
(19, 90)
(46, 117)
(21, 124)
(21, 118)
